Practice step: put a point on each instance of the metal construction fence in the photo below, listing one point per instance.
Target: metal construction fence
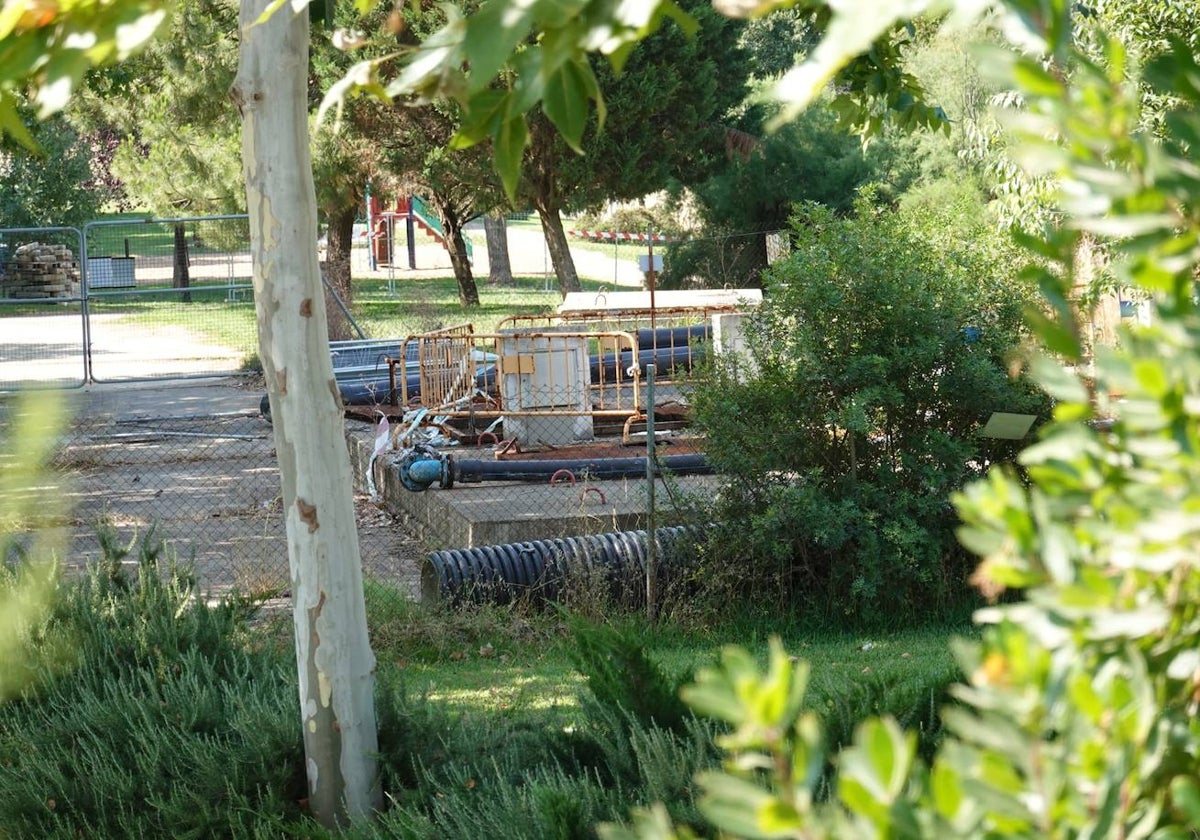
(133, 462)
(125, 300)
(565, 427)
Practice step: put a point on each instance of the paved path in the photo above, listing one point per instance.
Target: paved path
(46, 348)
(526, 252)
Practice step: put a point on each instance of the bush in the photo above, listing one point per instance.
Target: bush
(166, 724)
(882, 348)
(1078, 716)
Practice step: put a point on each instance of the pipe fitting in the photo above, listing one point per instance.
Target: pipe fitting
(420, 468)
(567, 474)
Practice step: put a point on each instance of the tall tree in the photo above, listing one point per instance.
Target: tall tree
(753, 197)
(179, 153)
(495, 228)
(345, 160)
(49, 186)
(663, 122)
(335, 665)
(458, 185)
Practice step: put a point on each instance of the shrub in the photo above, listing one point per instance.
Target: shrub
(165, 725)
(881, 350)
(620, 676)
(1078, 717)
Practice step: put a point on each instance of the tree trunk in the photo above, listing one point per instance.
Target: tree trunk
(180, 276)
(560, 251)
(338, 242)
(335, 664)
(495, 228)
(452, 228)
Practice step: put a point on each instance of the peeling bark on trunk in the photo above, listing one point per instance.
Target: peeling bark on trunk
(181, 277)
(560, 251)
(335, 664)
(495, 228)
(339, 240)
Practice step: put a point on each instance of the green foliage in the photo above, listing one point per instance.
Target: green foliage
(28, 574)
(620, 675)
(808, 160)
(665, 119)
(180, 141)
(1078, 718)
(48, 187)
(499, 64)
(46, 48)
(166, 724)
(864, 411)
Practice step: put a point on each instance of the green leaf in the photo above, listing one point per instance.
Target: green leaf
(482, 116)
(1035, 80)
(1057, 337)
(12, 124)
(1185, 795)
(734, 805)
(1058, 382)
(492, 35)
(134, 35)
(58, 81)
(947, 788)
(510, 140)
(566, 104)
(879, 760)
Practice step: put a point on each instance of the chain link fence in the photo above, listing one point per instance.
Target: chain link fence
(134, 460)
(554, 447)
(181, 286)
(43, 329)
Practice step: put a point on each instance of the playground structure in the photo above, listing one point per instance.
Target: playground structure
(410, 214)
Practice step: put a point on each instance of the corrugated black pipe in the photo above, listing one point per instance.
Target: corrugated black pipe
(544, 569)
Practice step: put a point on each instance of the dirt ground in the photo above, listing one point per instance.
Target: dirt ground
(196, 462)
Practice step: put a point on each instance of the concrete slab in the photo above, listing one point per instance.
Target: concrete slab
(496, 513)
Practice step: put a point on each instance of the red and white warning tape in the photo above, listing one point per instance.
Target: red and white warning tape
(619, 235)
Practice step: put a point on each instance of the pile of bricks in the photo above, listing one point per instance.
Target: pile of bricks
(40, 271)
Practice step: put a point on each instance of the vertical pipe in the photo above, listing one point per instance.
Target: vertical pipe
(651, 530)
(651, 276)
(370, 229)
(85, 293)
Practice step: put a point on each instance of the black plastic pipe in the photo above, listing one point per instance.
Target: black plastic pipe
(546, 569)
(664, 337)
(605, 367)
(474, 470)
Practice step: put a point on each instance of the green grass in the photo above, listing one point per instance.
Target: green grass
(177, 719)
(410, 306)
(423, 304)
(210, 315)
(129, 234)
(498, 660)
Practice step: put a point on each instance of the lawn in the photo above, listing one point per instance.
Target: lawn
(493, 660)
(409, 306)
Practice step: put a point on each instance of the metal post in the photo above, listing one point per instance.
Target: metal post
(651, 278)
(370, 229)
(651, 519)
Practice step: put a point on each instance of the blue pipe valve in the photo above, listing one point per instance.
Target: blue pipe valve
(420, 469)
